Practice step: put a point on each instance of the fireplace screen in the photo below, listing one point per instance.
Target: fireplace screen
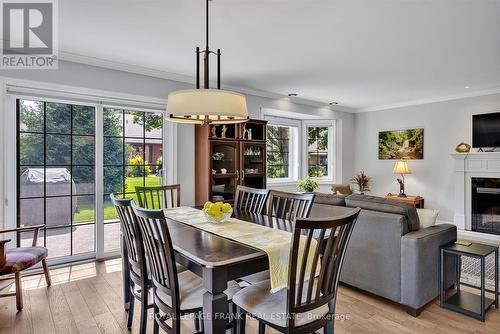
(486, 205)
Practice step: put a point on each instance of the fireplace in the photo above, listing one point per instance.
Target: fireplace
(485, 206)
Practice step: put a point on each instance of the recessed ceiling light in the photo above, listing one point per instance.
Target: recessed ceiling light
(333, 103)
(467, 87)
(292, 94)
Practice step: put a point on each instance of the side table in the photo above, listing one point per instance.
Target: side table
(463, 301)
(415, 200)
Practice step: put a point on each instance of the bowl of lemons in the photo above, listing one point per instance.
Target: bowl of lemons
(217, 212)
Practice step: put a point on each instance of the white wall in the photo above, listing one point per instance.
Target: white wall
(445, 125)
(80, 75)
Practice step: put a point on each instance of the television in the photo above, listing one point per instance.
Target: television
(486, 130)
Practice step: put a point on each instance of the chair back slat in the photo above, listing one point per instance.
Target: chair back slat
(288, 206)
(130, 230)
(250, 199)
(306, 289)
(159, 197)
(161, 257)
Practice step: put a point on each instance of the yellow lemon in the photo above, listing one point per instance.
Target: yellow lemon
(217, 206)
(207, 205)
(226, 207)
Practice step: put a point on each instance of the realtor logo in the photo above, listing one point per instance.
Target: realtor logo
(29, 34)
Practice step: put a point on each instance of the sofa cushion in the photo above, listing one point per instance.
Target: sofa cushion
(331, 199)
(18, 259)
(342, 189)
(427, 217)
(385, 205)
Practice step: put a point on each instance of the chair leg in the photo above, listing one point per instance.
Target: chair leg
(19, 291)
(46, 272)
(144, 311)
(241, 320)
(130, 312)
(156, 314)
(196, 321)
(262, 328)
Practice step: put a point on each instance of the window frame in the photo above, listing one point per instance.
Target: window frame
(293, 149)
(331, 125)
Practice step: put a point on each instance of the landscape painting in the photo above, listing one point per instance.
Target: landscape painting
(401, 144)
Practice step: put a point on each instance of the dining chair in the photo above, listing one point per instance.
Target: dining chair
(307, 304)
(15, 260)
(174, 294)
(139, 283)
(159, 197)
(286, 207)
(250, 199)
(283, 208)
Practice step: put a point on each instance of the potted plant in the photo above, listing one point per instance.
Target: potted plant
(362, 181)
(307, 185)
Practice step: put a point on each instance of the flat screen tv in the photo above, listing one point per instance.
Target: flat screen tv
(486, 130)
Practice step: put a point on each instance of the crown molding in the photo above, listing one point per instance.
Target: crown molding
(161, 74)
(431, 100)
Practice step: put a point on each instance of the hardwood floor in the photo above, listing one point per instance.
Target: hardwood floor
(86, 299)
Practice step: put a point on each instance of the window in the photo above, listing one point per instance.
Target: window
(133, 150)
(282, 151)
(56, 168)
(318, 151)
(278, 152)
(286, 137)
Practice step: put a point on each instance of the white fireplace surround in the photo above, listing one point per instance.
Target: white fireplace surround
(467, 166)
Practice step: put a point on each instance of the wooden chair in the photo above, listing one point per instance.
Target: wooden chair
(283, 209)
(139, 283)
(19, 259)
(249, 199)
(309, 298)
(288, 206)
(159, 197)
(174, 294)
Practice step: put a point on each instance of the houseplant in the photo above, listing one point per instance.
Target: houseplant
(362, 181)
(307, 185)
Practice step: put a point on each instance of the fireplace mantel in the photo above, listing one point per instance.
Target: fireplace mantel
(467, 166)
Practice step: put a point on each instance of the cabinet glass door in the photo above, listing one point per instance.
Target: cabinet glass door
(224, 171)
(253, 165)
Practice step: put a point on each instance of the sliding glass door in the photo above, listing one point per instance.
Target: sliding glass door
(56, 168)
(133, 156)
(66, 170)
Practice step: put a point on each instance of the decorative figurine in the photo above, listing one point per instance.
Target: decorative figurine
(224, 129)
(223, 171)
(462, 148)
(214, 131)
(245, 132)
(249, 134)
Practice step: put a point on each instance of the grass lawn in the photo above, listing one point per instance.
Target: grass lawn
(86, 214)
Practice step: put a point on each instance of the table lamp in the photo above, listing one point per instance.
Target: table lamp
(401, 167)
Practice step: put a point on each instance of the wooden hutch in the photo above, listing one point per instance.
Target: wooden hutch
(227, 156)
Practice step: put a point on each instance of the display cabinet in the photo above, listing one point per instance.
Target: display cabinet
(227, 156)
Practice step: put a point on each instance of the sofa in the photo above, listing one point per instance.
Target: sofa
(388, 254)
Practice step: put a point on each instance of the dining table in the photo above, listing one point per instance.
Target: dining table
(217, 260)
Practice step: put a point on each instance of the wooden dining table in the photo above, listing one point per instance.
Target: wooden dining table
(217, 260)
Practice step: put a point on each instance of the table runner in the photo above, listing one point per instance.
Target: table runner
(276, 243)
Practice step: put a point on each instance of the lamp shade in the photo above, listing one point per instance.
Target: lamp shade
(204, 106)
(401, 167)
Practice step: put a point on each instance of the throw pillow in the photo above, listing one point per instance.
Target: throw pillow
(427, 217)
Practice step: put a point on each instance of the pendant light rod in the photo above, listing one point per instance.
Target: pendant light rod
(206, 84)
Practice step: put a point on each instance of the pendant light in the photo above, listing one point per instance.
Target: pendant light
(206, 105)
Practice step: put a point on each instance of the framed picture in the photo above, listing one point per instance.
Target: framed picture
(401, 144)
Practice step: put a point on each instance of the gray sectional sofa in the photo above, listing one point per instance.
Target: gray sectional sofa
(388, 255)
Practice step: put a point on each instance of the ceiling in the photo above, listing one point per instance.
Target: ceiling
(363, 54)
